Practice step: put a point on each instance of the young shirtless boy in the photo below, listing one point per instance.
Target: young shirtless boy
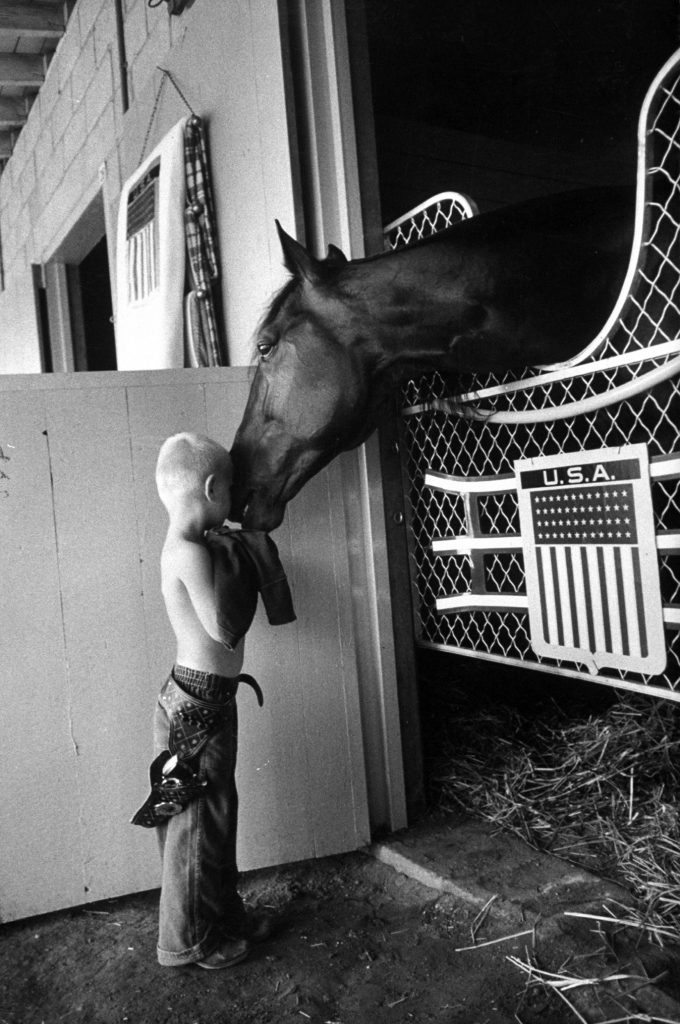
(202, 918)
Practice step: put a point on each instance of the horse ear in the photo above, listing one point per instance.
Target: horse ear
(335, 256)
(297, 260)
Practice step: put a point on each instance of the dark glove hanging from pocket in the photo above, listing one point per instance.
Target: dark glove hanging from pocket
(173, 785)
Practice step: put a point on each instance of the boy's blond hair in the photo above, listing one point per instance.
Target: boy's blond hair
(186, 460)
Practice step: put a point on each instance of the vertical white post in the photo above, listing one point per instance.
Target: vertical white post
(59, 317)
(324, 113)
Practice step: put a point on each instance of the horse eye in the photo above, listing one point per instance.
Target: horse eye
(265, 348)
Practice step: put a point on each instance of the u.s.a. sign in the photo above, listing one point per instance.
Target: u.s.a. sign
(590, 559)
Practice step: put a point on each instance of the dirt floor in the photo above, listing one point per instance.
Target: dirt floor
(359, 942)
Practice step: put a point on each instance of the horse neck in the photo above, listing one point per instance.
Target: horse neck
(412, 301)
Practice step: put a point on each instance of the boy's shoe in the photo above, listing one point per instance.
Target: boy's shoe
(228, 954)
(259, 927)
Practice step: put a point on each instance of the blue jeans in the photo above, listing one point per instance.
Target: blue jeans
(200, 905)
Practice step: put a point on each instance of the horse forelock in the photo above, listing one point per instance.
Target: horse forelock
(277, 303)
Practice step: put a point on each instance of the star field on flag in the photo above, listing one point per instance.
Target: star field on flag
(587, 515)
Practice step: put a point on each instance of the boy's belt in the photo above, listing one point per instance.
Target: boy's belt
(193, 721)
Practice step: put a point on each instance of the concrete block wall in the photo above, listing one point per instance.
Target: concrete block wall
(79, 146)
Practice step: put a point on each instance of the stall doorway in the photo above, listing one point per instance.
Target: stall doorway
(74, 299)
(93, 283)
(503, 102)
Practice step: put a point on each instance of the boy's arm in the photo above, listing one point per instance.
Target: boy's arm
(194, 568)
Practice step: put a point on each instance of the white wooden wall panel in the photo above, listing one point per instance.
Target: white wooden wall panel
(37, 812)
(321, 578)
(86, 645)
(101, 602)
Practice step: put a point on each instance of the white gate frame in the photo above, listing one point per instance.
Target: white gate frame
(469, 577)
(331, 208)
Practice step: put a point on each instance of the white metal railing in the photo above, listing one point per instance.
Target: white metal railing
(461, 449)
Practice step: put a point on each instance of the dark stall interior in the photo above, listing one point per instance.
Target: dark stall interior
(508, 100)
(505, 100)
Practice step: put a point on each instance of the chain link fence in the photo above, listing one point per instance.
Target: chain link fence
(624, 388)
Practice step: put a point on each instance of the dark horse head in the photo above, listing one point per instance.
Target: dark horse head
(520, 286)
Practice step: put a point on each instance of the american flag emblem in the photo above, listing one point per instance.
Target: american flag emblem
(590, 559)
(142, 237)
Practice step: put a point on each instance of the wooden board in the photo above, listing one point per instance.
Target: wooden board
(39, 819)
(86, 645)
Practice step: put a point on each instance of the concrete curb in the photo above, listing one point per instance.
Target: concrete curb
(404, 861)
(467, 863)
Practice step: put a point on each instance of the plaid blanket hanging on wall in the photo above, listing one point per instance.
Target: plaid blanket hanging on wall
(205, 341)
(168, 297)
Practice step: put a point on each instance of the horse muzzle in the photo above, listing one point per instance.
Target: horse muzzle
(254, 509)
(262, 487)
(262, 514)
